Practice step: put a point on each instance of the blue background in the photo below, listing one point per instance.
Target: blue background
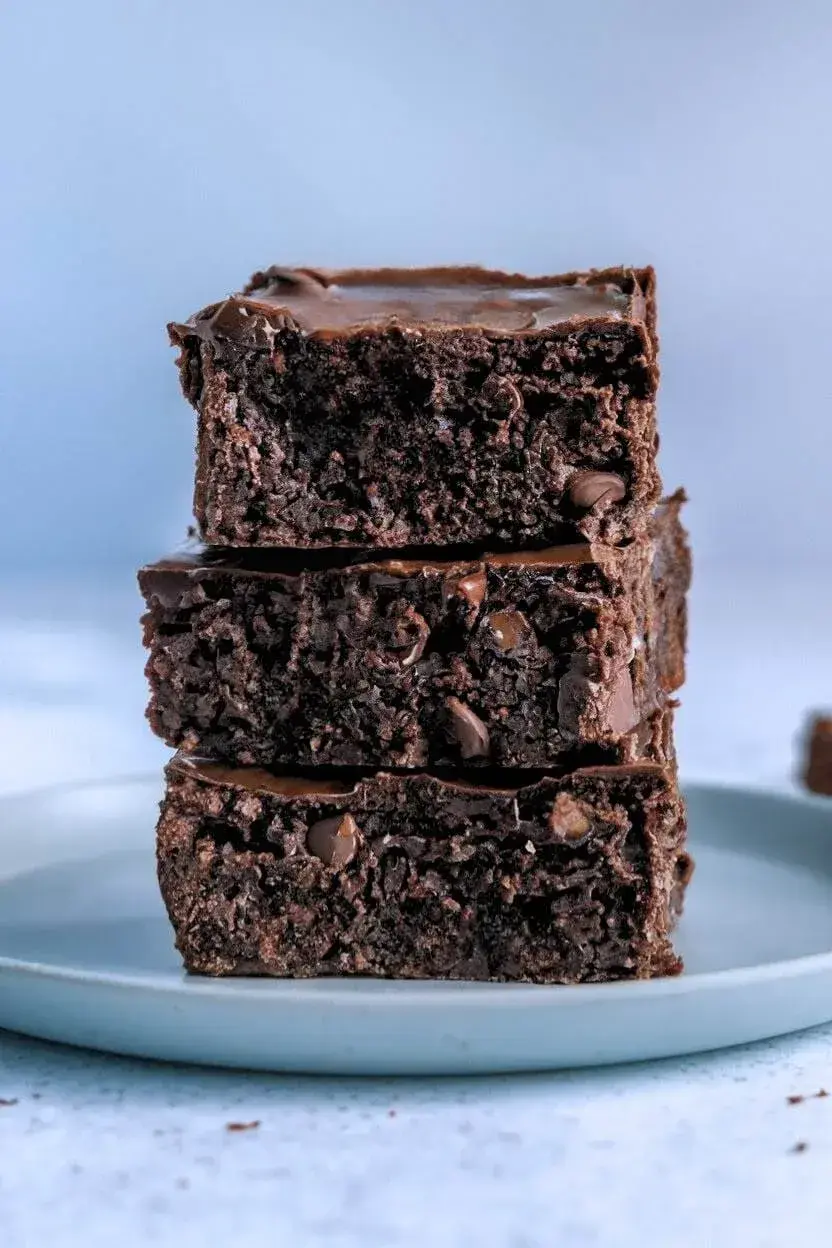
(155, 153)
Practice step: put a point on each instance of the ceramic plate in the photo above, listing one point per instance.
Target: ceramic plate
(86, 957)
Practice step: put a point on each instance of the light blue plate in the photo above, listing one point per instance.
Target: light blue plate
(86, 957)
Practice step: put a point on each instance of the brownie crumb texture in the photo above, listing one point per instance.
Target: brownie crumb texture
(540, 660)
(564, 880)
(431, 423)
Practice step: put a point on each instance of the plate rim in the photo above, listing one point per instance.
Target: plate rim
(453, 993)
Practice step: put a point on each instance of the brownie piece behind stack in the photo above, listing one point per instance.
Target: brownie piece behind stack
(817, 763)
(566, 879)
(393, 408)
(516, 660)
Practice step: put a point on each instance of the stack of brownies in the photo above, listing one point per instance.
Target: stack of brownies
(420, 676)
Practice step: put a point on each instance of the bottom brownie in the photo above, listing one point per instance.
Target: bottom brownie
(567, 879)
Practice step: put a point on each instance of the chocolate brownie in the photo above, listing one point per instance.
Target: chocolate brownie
(390, 408)
(515, 660)
(817, 773)
(568, 879)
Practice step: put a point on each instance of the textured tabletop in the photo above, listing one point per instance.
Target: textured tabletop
(707, 1151)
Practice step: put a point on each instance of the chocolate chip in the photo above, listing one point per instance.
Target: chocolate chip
(567, 821)
(589, 489)
(245, 320)
(469, 730)
(470, 587)
(510, 628)
(334, 840)
(621, 710)
(415, 630)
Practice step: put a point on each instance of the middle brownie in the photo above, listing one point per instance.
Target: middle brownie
(557, 657)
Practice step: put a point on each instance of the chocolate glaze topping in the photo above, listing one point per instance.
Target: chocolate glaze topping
(257, 780)
(466, 575)
(325, 303)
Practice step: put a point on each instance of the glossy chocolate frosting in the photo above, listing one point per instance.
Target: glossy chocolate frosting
(325, 303)
(257, 780)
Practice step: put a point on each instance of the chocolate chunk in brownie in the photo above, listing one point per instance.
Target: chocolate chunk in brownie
(817, 764)
(391, 408)
(568, 879)
(515, 660)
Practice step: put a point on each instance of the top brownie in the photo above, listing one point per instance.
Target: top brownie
(407, 407)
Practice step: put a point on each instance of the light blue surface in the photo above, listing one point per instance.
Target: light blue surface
(154, 155)
(86, 957)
